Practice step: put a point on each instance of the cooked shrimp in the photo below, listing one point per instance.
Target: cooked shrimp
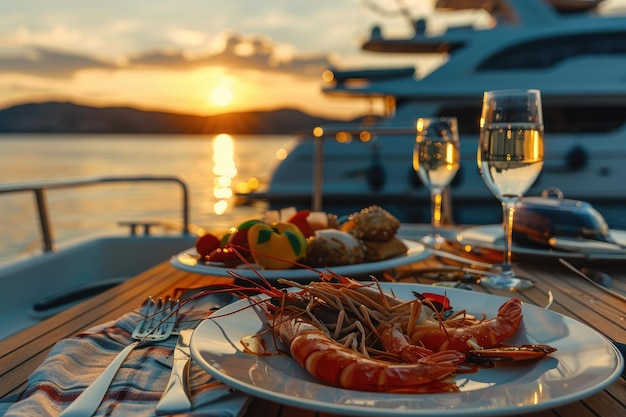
(341, 366)
(463, 334)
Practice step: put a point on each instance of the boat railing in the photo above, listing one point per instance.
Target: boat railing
(362, 132)
(39, 189)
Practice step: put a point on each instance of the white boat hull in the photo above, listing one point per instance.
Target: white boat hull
(347, 183)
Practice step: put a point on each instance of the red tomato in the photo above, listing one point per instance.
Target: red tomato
(224, 255)
(206, 244)
(300, 220)
(239, 237)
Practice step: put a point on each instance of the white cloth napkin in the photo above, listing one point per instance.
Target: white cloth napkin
(482, 234)
(74, 363)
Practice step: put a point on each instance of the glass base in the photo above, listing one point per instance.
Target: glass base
(507, 281)
(439, 239)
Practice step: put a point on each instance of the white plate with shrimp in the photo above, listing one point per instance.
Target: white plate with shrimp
(584, 363)
(188, 261)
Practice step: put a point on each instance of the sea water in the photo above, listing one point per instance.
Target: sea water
(214, 167)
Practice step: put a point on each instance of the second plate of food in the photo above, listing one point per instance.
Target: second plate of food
(189, 261)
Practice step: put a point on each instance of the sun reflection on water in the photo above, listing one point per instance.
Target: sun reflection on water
(224, 170)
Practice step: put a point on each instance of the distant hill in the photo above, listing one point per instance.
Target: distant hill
(57, 117)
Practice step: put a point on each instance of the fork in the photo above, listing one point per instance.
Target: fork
(159, 317)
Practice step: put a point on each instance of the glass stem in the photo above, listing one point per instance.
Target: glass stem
(436, 211)
(508, 208)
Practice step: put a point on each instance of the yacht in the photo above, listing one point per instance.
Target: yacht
(567, 49)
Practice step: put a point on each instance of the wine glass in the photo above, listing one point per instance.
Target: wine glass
(510, 154)
(436, 158)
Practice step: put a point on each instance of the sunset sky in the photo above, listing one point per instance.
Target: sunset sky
(194, 56)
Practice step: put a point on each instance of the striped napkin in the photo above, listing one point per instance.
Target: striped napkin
(74, 363)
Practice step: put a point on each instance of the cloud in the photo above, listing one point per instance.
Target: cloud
(45, 62)
(239, 53)
(171, 59)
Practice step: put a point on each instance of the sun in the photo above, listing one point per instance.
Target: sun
(221, 96)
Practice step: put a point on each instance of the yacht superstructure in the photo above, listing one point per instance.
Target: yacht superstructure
(576, 57)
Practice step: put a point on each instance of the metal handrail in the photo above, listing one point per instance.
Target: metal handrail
(39, 188)
(332, 130)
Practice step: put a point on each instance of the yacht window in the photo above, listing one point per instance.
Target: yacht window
(545, 53)
(556, 119)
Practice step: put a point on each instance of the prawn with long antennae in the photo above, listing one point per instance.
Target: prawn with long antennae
(354, 335)
(465, 334)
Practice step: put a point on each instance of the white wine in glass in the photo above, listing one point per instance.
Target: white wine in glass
(436, 159)
(510, 151)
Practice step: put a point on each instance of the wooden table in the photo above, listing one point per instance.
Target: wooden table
(21, 354)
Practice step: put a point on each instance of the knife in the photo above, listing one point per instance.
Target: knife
(176, 398)
(585, 246)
